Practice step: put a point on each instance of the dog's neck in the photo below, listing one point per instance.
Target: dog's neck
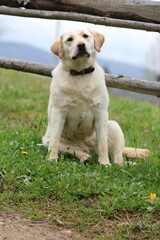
(82, 72)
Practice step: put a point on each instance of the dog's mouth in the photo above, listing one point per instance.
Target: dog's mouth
(81, 54)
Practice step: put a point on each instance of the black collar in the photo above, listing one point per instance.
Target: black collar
(82, 72)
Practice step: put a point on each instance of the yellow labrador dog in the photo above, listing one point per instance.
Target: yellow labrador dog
(78, 103)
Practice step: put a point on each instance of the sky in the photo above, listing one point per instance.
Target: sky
(125, 45)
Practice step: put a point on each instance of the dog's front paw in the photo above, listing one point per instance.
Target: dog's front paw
(53, 156)
(121, 164)
(104, 161)
(45, 141)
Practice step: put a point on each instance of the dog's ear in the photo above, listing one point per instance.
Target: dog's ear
(98, 40)
(57, 48)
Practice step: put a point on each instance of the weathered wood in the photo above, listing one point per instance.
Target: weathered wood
(136, 10)
(114, 81)
(25, 66)
(80, 17)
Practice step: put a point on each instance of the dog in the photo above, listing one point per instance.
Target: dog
(78, 104)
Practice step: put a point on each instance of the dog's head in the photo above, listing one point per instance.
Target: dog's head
(78, 44)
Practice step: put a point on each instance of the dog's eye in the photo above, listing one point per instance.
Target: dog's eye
(70, 39)
(85, 36)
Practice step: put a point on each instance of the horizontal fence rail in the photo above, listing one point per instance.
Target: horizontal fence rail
(134, 10)
(80, 17)
(114, 81)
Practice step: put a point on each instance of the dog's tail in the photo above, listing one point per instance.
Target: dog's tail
(130, 152)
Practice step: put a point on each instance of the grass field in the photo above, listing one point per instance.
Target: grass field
(102, 203)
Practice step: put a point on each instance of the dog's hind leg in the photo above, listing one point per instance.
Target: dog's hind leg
(80, 150)
(116, 142)
(117, 147)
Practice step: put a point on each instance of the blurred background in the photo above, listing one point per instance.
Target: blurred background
(128, 52)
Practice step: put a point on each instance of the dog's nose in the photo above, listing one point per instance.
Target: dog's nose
(81, 46)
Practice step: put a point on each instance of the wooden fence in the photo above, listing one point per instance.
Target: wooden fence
(134, 14)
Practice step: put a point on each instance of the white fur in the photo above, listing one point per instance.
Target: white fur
(77, 110)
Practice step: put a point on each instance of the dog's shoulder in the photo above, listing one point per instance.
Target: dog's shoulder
(58, 71)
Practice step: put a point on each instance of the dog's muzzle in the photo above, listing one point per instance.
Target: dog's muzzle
(81, 51)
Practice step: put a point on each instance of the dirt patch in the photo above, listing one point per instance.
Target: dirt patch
(16, 226)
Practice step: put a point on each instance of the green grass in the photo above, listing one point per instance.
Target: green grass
(102, 203)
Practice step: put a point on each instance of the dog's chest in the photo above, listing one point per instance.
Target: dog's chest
(80, 97)
(79, 103)
(70, 95)
(80, 113)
